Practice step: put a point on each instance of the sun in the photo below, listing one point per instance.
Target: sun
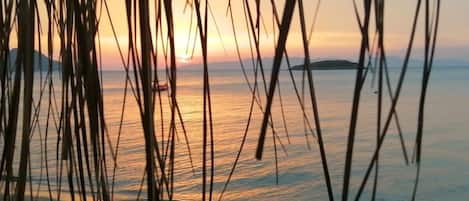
(184, 58)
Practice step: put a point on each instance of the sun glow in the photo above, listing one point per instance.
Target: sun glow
(184, 58)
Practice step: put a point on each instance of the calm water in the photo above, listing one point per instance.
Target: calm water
(445, 169)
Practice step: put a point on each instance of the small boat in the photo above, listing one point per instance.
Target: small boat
(161, 87)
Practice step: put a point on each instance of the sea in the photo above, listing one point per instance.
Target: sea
(299, 173)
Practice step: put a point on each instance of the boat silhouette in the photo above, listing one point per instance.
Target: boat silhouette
(160, 87)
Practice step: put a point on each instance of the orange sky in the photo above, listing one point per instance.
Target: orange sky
(336, 33)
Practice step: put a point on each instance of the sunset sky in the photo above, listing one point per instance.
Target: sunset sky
(336, 33)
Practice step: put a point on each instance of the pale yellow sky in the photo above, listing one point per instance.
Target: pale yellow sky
(336, 32)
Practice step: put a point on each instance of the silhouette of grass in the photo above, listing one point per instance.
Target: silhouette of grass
(71, 109)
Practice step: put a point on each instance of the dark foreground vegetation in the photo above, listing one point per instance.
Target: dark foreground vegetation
(76, 113)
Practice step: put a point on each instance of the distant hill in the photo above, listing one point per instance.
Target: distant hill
(328, 65)
(41, 62)
(394, 61)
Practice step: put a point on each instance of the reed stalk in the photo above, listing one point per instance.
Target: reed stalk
(67, 115)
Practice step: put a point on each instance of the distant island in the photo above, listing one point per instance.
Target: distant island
(41, 62)
(329, 65)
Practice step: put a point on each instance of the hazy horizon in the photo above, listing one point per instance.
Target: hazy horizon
(336, 33)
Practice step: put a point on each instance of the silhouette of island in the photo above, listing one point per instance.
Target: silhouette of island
(41, 62)
(328, 65)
